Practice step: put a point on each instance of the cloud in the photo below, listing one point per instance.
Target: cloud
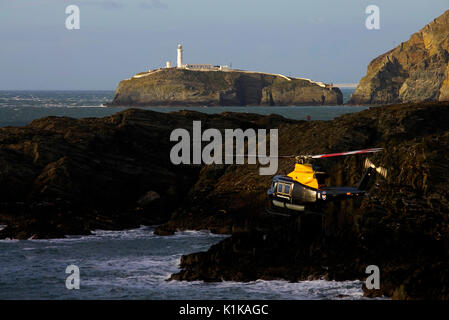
(105, 4)
(153, 4)
(118, 4)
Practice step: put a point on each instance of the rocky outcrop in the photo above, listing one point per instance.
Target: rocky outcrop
(173, 86)
(416, 70)
(62, 176)
(65, 176)
(400, 227)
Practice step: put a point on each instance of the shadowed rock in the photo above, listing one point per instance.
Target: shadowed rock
(400, 227)
(63, 176)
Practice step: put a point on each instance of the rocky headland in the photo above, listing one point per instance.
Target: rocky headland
(416, 70)
(179, 86)
(62, 176)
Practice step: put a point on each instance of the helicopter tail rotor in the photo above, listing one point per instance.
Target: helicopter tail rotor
(380, 170)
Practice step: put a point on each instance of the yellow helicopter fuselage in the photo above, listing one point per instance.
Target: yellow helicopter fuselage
(304, 174)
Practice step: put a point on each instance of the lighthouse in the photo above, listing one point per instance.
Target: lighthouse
(179, 56)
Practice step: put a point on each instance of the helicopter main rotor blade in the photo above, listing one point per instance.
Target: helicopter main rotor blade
(255, 156)
(318, 156)
(339, 154)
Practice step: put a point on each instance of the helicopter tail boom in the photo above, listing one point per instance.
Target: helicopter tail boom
(370, 170)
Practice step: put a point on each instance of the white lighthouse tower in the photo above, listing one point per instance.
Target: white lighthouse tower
(179, 56)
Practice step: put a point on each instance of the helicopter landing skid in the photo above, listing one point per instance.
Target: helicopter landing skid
(282, 214)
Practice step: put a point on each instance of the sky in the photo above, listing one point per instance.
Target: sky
(324, 40)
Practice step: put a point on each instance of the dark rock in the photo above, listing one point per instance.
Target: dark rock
(65, 176)
(148, 198)
(401, 227)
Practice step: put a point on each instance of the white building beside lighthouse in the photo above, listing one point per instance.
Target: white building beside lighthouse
(196, 66)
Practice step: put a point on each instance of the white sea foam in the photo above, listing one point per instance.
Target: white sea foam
(316, 289)
(136, 263)
(141, 232)
(8, 240)
(83, 106)
(198, 233)
(278, 289)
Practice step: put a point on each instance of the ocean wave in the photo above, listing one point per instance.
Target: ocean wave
(131, 264)
(84, 106)
(9, 240)
(136, 264)
(272, 289)
(135, 233)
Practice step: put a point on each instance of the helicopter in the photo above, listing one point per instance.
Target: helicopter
(304, 191)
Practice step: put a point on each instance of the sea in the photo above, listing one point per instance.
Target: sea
(18, 108)
(134, 264)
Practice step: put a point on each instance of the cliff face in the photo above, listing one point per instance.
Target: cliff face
(220, 88)
(417, 70)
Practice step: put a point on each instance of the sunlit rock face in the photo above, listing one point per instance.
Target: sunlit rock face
(416, 70)
(178, 86)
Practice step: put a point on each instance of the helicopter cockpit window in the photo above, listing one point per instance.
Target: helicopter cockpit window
(280, 187)
(284, 189)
